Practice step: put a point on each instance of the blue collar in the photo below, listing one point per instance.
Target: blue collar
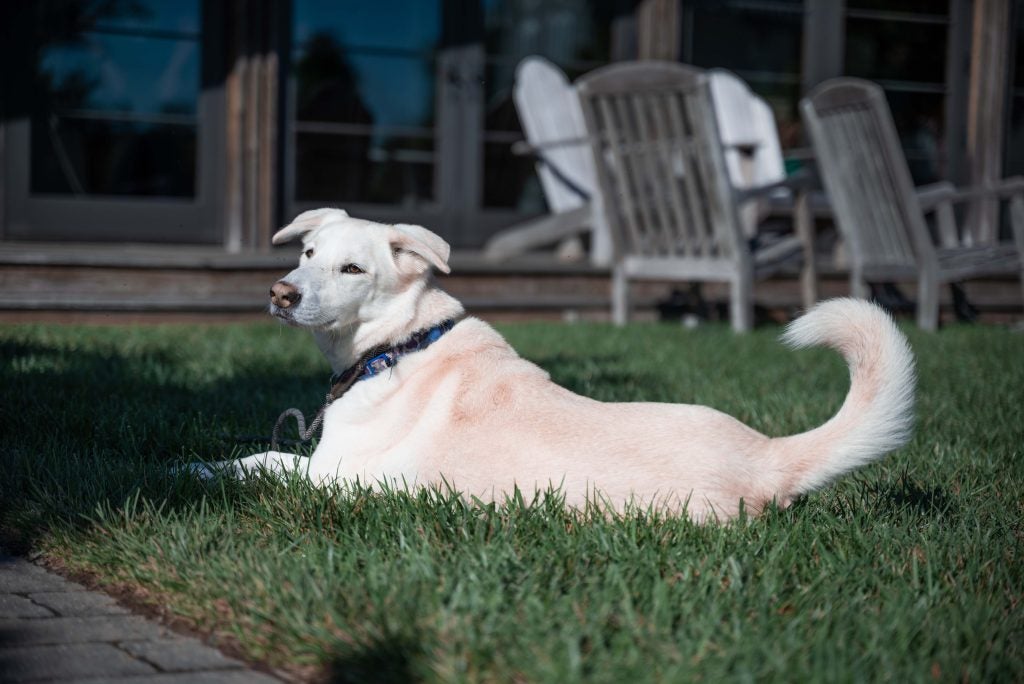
(383, 357)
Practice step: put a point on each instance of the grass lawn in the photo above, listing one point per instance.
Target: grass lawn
(911, 570)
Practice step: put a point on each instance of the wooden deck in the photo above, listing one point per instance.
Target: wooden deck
(122, 283)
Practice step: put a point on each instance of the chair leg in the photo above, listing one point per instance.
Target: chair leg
(858, 286)
(927, 302)
(741, 304)
(1022, 276)
(620, 296)
(805, 229)
(1017, 224)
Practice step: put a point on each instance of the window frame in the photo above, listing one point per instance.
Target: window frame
(112, 218)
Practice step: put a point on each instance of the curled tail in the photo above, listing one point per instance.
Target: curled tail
(877, 415)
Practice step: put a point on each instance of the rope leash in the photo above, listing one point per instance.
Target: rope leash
(304, 434)
(369, 364)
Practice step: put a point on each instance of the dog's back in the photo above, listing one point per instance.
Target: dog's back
(510, 426)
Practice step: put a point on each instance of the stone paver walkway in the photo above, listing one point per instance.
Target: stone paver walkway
(55, 630)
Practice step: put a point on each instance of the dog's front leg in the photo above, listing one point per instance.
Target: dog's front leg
(272, 462)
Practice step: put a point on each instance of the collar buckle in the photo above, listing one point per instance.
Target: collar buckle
(378, 364)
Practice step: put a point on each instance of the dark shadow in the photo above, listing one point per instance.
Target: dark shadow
(384, 660)
(902, 496)
(896, 499)
(81, 430)
(689, 305)
(64, 413)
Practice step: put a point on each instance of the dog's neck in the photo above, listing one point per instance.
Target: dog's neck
(417, 308)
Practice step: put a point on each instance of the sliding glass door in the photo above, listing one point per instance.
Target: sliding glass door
(113, 136)
(401, 110)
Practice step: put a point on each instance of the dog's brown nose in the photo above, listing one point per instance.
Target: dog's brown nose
(284, 294)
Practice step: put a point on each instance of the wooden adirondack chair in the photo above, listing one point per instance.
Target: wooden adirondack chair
(749, 132)
(664, 188)
(881, 215)
(552, 120)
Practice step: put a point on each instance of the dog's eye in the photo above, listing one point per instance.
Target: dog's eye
(309, 253)
(352, 268)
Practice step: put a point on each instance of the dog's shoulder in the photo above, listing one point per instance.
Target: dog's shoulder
(476, 348)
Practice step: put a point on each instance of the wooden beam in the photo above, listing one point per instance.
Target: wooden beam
(3, 183)
(986, 109)
(958, 64)
(658, 30)
(823, 43)
(252, 144)
(267, 181)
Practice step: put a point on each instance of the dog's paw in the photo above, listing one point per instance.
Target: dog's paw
(203, 471)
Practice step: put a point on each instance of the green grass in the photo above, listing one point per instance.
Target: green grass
(910, 570)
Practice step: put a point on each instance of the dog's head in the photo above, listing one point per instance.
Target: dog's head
(350, 269)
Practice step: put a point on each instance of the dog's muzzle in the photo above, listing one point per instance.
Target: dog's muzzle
(284, 295)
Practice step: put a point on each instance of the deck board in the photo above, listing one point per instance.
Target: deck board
(146, 283)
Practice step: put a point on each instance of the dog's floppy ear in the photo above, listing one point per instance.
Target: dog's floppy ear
(305, 222)
(421, 242)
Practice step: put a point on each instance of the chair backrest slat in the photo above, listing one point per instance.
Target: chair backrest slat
(633, 153)
(659, 159)
(679, 221)
(701, 116)
(654, 187)
(691, 235)
(866, 174)
(891, 240)
(620, 195)
(877, 217)
(549, 112)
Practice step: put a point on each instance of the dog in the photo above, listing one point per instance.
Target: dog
(426, 395)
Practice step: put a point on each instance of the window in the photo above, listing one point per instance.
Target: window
(402, 109)
(116, 136)
(903, 47)
(574, 35)
(365, 82)
(760, 41)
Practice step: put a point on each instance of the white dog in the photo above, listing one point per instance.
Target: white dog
(427, 396)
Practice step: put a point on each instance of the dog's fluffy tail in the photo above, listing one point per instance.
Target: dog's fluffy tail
(877, 415)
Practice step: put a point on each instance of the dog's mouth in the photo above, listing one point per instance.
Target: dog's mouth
(290, 317)
(284, 315)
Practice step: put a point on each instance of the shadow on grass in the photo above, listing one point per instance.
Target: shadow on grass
(386, 660)
(905, 496)
(899, 499)
(84, 427)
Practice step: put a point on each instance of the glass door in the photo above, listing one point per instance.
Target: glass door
(401, 110)
(576, 35)
(903, 46)
(363, 131)
(114, 138)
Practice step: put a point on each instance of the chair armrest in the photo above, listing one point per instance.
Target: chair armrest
(538, 232)
(939, 198)
(932, 195)
(797, 182)
(947, 192)
(523, 148)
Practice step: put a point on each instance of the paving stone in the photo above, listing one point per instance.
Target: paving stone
(173, 655)
(94, 640)
(18, 576)
(66, 661)
(12, 606)
(76, 603)
(72, 630)
(221, 677)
